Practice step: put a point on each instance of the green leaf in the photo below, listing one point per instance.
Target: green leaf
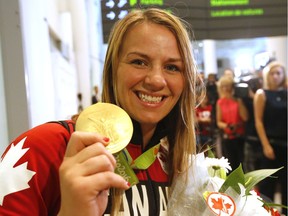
(210, 153)
(274, 205)
(235, 177)
(254, 177)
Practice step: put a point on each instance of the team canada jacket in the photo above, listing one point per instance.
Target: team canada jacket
(29, 179)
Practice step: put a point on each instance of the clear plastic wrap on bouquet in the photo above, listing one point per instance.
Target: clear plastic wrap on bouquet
(188, 197)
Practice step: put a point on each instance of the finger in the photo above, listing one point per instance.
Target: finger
(95, 184)
(105, 180)
(94, 150)
(80, 140)
(97, 164)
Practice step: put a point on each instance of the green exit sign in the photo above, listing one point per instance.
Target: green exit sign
(237, 12)
(146, 2)
(219, 3)
(227, 8)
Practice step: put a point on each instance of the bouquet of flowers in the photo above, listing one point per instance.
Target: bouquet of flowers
(209, 191)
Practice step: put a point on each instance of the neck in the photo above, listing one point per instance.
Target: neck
(147, 131)
(227, 95)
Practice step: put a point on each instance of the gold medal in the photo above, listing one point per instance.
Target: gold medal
(108, 120)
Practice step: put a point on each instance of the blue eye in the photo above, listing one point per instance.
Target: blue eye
(172, 68)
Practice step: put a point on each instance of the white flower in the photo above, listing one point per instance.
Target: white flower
(250, 205)
(216, 163)
(214, 184)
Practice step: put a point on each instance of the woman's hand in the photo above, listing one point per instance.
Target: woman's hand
(268, 151)
(86, 174)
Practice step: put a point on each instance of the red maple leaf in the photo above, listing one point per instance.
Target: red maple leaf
(228, 206)
(219, 204)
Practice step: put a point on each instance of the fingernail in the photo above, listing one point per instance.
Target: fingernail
(128, 184)
(106, 139)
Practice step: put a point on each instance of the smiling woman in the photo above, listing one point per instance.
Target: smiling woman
(150, 73)
(149, 60)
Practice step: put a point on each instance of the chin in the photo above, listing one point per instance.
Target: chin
(149, 120)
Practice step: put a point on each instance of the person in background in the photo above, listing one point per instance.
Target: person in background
(95, 96)
(204, 120)
(149, 72)
(212, 94)
(229, 72)
(231, 114)
(270, 108)
(253, 153)
(211, 88)
(80, 106)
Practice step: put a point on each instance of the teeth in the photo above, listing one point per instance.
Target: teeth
(149, 99)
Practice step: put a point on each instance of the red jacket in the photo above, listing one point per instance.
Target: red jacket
(29, 179)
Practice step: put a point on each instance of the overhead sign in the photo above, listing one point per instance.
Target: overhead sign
(210, 19)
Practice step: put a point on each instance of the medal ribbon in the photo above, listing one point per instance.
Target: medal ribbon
(144, 160)
(125, 163)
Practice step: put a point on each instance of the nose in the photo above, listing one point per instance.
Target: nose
(155, 79)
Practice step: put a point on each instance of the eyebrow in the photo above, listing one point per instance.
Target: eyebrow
(146, 56)
(138, 53)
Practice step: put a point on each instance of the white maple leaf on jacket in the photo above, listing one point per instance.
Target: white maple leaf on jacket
(14, 179)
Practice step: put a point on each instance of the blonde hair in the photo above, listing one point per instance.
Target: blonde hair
(268, 69)
(225, 80)
(182, 142)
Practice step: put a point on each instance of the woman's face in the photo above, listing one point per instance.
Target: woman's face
(150, 73)
(227, 89)
(275, 77)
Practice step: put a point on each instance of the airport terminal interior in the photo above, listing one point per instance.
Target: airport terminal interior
(52, 52)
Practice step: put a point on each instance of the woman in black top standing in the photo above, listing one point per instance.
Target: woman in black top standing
(270, 108)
